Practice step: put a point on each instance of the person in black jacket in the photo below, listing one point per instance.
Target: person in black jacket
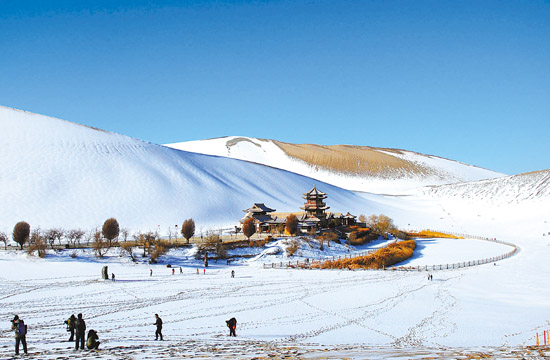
(20, 333)
(70, 326)
(232, 325)
(158, 323)
(92, 342)
(80, 328)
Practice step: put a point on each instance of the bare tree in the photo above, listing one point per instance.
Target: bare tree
(21, 233)
(128, 248)
(249, 227)
(54, 235)
(4, 239)
(212, 243)
(74, 236)
(99, 245)
(145, 240)
(188, 229)
(125, 233)
(381, 225)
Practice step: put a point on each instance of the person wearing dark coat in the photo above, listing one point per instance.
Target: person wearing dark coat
(20, 337)
(232, 325)
(92, 342)
(70, 326)
(158, 323)
(80, 328)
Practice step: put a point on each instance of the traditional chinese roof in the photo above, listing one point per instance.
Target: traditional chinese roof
(334, 215)
(259, 208)
(259, 218)
(349, 216)
(314, 193)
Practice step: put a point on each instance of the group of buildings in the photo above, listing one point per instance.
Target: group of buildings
(315, 215)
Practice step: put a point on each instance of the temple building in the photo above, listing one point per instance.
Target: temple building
(315, 207)
(263, 220)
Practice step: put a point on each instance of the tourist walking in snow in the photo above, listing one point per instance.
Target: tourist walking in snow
(232, 273)
(158, 323)
(232, 325)
(80, 328)
(150, 272)
(91, 342)
(18, 325)
(70, 326)
(113, 276)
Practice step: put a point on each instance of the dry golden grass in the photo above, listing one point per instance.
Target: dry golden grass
(350, 159)
(433, 234)
(388, 256)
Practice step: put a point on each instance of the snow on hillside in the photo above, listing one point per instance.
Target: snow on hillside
(60, 174)
(433, 170)
(511, 189)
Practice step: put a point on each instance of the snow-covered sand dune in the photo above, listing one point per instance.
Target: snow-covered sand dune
(421, 170)
(60, 174)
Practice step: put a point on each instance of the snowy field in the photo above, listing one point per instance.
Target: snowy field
(61, 174)
(281, 313)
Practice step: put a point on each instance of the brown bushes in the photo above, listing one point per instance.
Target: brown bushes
(292, 248)
(433, 234)
(361, 236)
(388, 256)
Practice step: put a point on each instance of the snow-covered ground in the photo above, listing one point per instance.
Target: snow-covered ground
(60, 174)
(292, 312)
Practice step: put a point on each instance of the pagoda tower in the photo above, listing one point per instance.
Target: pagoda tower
(315, 205)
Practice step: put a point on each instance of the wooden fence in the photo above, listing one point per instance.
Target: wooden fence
(308, 264)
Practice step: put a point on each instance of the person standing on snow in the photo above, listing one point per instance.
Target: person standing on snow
(70, 326)
(20, 333)
(80, 328)
(232, 325)
(158, 323)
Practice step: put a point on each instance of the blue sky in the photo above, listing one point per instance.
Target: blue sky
(466, 80)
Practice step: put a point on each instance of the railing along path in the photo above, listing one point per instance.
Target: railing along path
(308, 264)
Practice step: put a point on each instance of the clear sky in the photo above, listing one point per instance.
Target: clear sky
(466, 80)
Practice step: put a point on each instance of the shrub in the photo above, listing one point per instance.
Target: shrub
(361, 236)
(432, 234)
(291, 225)
(249, 227)
(159, 248)
(21, 233)
(188, 229)
(37, 243)
(292, 247)
(110, 230)
(388, 256)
